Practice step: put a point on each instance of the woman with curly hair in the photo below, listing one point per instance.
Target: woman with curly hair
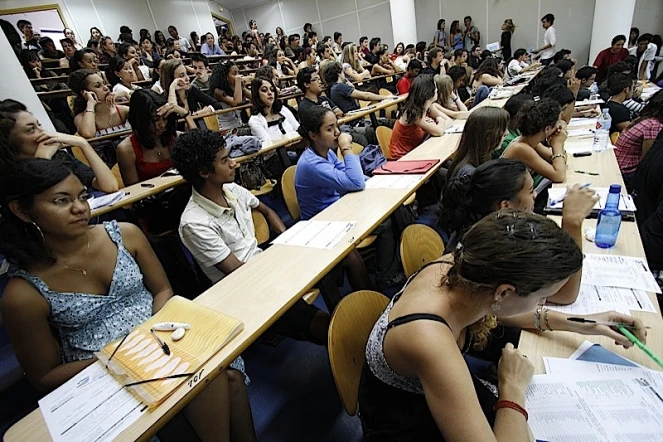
(227, 85)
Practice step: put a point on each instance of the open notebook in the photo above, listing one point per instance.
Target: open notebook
(140, 357)
(626, 203)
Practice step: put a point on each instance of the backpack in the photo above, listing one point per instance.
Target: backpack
(371, 158)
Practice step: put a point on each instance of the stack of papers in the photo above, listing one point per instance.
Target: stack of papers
(589, 102)
(106, 200)
(626, 203)
(316, 234)
(393, 181)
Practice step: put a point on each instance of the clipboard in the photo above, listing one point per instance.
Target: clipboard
(402, 167)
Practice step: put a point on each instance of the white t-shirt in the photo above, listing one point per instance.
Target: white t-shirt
(549, 38)
(269, 133)
(145, 71)
(514, 68)
(185, 45)
(647, 57)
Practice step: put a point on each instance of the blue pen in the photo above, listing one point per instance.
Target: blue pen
(557, 201)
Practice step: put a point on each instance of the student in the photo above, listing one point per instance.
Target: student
(160, 42)
(587, 77)
(321, 178)
(374, 46)
(96, 113)
(455, 36)
(21, 136)
(635, 141)
(69, 49)
(567, 68)
(210, 47)
(183, 42)
(507, 184)
(412, 72)
(488, 74)
(406, 379)
(345, 96)
(352, 67)
(201, 65)
(310, 59)
(107, 49)
(48, 50)
(547, 51)
(633, 38)
(435, 67)
(29, 41)
(419, 119)
(68, 33)
(338, 42)
(255, 34)
(458, 75)
(564, 97)
(447, 101)
(385, 66)
(34, 68)
(293, 49)
(512, 106)
(281, 64)
(538, 122)
(131, 55)
(471, 36)
(148, 52)
(399, 51)
(484, 130)
(460, 56)
(145, 153)
(607, 57)
(621, 89)
(175, 81)
(270, 120)
(95, 33)
(475, 58)
(508, 28)
(218, 229)
(121, 76)
(440, 38)
(363, 46)
(45, 232)
(645, 52)
(85, 59)
(518, 64)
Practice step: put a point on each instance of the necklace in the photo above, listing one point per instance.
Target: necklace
(87, 250)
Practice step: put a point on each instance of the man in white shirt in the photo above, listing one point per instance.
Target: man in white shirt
(547, 51)
(644, 51)
(217, 226)
(184, 43)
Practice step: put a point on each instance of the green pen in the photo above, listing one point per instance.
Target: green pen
(623, 330)
(586, 173)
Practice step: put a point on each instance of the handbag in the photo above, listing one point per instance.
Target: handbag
(251, 174)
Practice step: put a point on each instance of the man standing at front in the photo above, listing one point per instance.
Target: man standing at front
(547, 51)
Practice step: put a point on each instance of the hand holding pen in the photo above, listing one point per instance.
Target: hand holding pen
(607, 324)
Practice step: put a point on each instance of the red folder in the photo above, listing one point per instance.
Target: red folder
(405, 167)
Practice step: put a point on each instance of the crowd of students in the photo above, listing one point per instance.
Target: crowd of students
(493, 184)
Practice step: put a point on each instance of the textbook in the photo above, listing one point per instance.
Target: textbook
(405, 167)
(142, 364)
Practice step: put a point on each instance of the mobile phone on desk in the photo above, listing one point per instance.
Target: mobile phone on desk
(150, 185)
(582, 154)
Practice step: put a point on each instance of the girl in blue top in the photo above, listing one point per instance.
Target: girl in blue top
(79, 287)
(455, 36)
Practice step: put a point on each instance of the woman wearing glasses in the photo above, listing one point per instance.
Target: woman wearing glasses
(76, 305)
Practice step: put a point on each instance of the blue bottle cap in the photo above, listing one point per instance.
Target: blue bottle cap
(615, 188)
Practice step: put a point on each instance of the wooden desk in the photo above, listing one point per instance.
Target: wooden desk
(604, 163)
(562, 344)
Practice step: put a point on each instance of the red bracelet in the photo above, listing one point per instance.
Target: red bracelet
(509, 404)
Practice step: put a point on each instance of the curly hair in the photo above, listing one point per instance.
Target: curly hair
(9, 151)
(219, 78)
(535, 116)
(194, 152)
(78, 84)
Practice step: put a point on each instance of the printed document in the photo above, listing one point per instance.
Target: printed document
(316, 234)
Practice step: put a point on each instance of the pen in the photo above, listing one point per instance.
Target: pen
(599, 322)
(557, 201)
(640, 345)
(163, 345)
(586, 173)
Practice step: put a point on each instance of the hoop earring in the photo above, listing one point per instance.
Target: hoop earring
(38, 230)
(495, 306)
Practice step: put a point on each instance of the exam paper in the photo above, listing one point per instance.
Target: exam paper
(579, 369)
(580, 133)
(393, 181)
(455, 129)
(588, 102)
(105, 200)
(618, 271)
(575, 122)
(610, 407)
(316, 234)
(626, 203)
(595, 299)
(91, 406)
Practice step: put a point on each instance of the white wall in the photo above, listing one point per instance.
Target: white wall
(109, 15)
(648, 16)
(353, 18)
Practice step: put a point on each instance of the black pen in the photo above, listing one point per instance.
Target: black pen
(163, 345)
(599, 322)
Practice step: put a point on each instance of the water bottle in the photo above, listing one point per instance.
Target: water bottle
(610, 218)
(593, 91)
(602, 134)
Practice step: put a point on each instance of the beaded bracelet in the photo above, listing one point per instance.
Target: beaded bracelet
(512, 405)
(545, 319)
(537, 319)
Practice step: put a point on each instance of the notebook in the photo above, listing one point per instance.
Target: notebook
(405, 167)
(140, 357)
(626, 203)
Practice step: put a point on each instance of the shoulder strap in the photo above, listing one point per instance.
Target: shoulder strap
(416, 317)
(138, 150)
(114, 232)
(36, 281)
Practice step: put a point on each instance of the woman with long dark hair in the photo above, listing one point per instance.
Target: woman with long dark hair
(270, 119)
(227, 85)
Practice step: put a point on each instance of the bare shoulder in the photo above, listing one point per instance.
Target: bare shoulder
(21, 298)
(132, 237)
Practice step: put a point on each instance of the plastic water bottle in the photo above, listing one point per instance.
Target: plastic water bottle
(610, 219)
(593, 91)
(602, 134)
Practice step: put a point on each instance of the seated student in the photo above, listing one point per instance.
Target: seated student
(435, 67)
(587, 77)
(448, 102)
(156, 74)
(458, 75)
(21, 136)
(176, 45)
(352, 68)
(501, 184)
(175, 82)
(374, 46)
(217, 226)
(85, 59)
(418, 118)
(485, 78)
(344, 95)
(48, 49)
(33, 68)
(310, 59)
(484, 130)
(324, 53)
(634, 104)
(227, 86)
(131, 55)
(460, 56)
(96, 113)
(413, 69)
(476, 57)
(567, 68)
(281, 64)
(210, 47)
(54, 308)
(270, 119)
(546, 79)
(645, 53)
(201, 64)
(69, 49)
(518, 64)
(121, 76)
(512, 106)
(538, 122)
(607, 57)
(148, 53)
(145, 153)
(385, 66)
(636, 140)
(621, 89)
(564, 97)
(321, 178)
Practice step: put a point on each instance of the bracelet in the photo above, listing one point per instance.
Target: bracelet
(512, 405)
(91, 111)
(545, 319)
(559, 155)
(537, 319)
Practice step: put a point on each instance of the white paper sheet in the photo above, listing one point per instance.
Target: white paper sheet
(455, 129)
(588, 102)
(577, 369)
(626, 203)
(393, 181)
(618, 271)
(91, 406)
(580, 133)
(595, 299)
(316, 234)
(493, 47)
(105, 200)
(576, 121)
(612, 407)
